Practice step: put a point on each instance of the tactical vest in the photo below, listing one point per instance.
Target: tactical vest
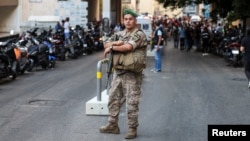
(156, 37)
(134, 61)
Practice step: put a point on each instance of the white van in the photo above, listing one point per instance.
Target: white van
(146, 26)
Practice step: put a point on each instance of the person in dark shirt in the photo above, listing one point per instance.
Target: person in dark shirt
(189, 37)
(58, 26)
(205, 36)
(176, 35)
(245, 48)
(197, 36)
(158, 46)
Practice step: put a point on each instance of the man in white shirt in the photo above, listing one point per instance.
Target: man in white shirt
(67, 31)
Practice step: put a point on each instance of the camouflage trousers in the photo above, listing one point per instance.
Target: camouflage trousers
(128, 86)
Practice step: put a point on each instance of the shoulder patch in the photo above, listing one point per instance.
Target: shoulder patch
(136, 37)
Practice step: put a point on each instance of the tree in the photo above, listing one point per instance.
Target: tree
(241, 10)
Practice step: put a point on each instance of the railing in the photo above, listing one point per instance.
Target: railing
(99, 77)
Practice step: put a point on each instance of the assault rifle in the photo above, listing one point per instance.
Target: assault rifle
(110, 68)
(110, 64)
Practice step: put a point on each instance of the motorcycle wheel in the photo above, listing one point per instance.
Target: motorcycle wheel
(45, 65)
(89, 52)
(13, 75)
(52, 64)
(31, 65)
(22, 71)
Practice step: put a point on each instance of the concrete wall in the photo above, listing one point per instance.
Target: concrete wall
(9, 18)
(45, 7)
(8, 3)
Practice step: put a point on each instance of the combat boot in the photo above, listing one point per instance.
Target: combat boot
(112, 128)
(131, 134)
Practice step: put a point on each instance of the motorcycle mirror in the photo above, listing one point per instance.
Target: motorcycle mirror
(105, 25)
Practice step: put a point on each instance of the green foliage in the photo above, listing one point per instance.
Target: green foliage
(241, 8)
(231, 17)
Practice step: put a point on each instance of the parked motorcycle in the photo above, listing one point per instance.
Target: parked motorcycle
(8, 61)
(58, 43)
(22, 58)
(38, 55)
(98, 43)
(77, 41)
(233, 55)
(51, 55)
(47, 40)
(216, 47)
(88, 43)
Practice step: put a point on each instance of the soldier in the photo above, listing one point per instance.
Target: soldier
(129, 59)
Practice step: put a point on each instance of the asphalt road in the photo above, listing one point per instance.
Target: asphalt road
(177, 104)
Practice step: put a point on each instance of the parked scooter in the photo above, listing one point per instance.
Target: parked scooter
(233, 54)
(8, 61)
(77, 41)
(98, 43)
(58, 43)
(38, 55)
(22, 56)
(47, 40)
(52, 57)
(88, 43)
(216, 44)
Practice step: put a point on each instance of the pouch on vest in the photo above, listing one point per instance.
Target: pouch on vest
(131, 61)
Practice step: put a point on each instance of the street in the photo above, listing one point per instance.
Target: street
(177, 104)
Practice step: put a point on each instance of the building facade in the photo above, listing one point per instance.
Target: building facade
(16, 14)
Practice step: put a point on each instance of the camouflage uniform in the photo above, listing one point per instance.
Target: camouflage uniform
(127, 84)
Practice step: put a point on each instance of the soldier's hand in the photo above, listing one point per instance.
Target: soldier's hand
(106, 51)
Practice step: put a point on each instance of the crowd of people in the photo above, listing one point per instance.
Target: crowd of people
(187, 35)
(199, 34)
